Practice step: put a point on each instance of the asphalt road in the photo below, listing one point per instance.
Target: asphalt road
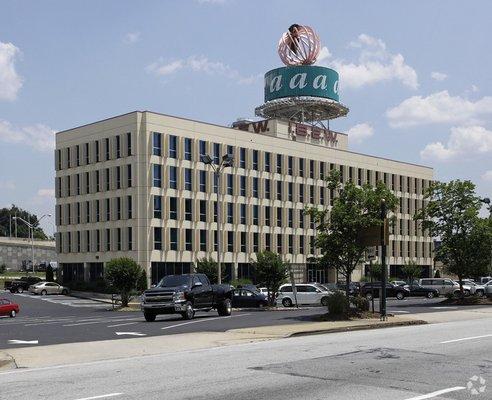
(45, 320)
(404, 363)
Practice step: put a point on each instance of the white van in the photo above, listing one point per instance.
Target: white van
(307, 293)
(443, 285)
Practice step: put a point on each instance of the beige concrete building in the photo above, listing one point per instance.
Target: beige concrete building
(134, 185)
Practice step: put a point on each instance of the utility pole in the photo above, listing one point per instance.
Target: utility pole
(384, 272)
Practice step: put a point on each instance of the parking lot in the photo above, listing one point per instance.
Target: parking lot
(55, 319)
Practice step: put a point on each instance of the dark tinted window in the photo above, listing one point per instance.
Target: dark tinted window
(174, 280)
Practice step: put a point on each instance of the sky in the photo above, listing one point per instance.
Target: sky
(415, 75)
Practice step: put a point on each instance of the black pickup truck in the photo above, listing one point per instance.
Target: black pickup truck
(21, 284)
(185, 294)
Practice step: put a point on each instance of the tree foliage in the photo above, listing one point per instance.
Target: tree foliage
(208, 266)
(411, 270)
(354, 208)
(451, 213)
(22, 228)
(270, 272)
(125, 276)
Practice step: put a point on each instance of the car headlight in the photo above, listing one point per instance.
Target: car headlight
(179, 296)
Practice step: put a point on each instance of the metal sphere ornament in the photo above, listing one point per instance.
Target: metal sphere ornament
(300, 45)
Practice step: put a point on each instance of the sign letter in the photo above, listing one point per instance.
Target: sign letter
(298, 80)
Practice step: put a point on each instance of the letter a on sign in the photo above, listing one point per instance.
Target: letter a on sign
(298, 80)
(320, 82)
(276, 83)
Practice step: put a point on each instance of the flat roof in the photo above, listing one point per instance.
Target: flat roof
(228, 127)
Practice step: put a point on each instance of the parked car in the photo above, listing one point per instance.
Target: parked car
(476, 288)
(9, 308)
(248, 298)
(417, 290)
(21, 284)
(184, 294)
(307, 293)
(484, 279)
(45, 288)
(467, 288)
(443, 285)
(370, 290)
(488, 289)
(399, 283)
(354, 288)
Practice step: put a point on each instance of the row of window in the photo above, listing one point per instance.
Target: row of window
(106, 149)
(101, 210)
(98, 240)
(183, 148)
(114, 178)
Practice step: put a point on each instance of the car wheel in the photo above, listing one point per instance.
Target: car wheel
(369, 296)
(44, 292)
(261, 304)
(400, 296)
(287, 302)
(430, 295)
(189, 313)
(20, 290)
(467, 293)
(225, 309)
(64, 292)
(480, 293)
(149, 317)
(324, 301)
(13, 314)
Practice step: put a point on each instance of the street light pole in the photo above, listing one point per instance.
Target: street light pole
(384, 271)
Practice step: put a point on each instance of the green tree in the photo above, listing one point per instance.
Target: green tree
(125, 276)
(411, 270)
(208, 266)
(354, 209)
(270, 272)
(451, 212)
(22, 228)
(376, 271)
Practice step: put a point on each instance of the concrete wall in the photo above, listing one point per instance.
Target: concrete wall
(14, 250)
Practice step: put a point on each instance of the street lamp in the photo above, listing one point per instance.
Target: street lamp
(226, 161)
(31, 232)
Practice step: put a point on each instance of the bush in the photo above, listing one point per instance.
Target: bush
(360, 303)
(240, 282)
(3, 268)
(124, 275)
(337, 304)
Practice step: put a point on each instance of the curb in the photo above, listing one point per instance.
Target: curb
(6, 362)
(358, 328)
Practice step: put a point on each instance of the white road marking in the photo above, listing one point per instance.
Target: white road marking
(445, 308)
(399, 311)
(15, 341)
(466, 338)
(102, 396)
(131, 333)
(83, 323)
(128, 323)
(437, 393)
(202, 320)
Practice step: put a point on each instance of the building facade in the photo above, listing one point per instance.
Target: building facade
(17, 253)
(135, 186)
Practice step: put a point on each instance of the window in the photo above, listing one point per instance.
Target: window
(242, 214)
(230, 213)
(129, 208)
(77, 155)
(279, 190)
(290, 191)
(98, 240)
(157, 171)
(255, 160)
(203, 181)
(203, 210)
(188, 239)
(86, 153)
(156, 144)
(78, 213)
(215, 241)
(230, 184)
(322, 195)
(279, 243)
(188, 210)
(215, 211)
(359, 177)
(129, 175)
(68, 157)
(301, 219)
(202, 147)
(173, 177)
(255, 242)
(98, 211)
(118, 178)
(174, 238)
(188, 148)
(87, 183)
(97, 150)
(242, 186)
(108, 210)
(267, 188)
(77, 184)
(301, 167)
(268, 241)
(279, 163)
(255, 187)
(242, 157)
(78, 241)
(158, 207)
(118, 238)
(256, 211)
(118, 146)
(230, 241)
(291, 217)
(173, 208)
(108, 180)
(279, 217)
(290, 165)
(157, 238)
(128, 143)
(203, 240)
(129, 238)
(118, 208)
(268, 220)
(107, 149)
(301, 192)
(291, 244)
(173, 146)
(108, 239)
(311, 169)
(230, 151)
(311, 194)
(97, 179)
(217, 153)
(243, 242)
(188, 179)
(268, 156)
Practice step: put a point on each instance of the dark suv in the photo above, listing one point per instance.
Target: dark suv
(370, 290)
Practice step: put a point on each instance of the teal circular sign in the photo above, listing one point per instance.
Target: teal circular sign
(302, 80)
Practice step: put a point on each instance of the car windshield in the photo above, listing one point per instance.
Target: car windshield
(174, 280)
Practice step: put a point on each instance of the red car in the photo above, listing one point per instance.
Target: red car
(8, 308)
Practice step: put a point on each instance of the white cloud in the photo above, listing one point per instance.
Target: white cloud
(438, 108)
(487, 176)
(375, 64)
(10, 81)
(360, 132)
(131, 37)
(38, 136)
(49, 193)
(438, 76)
(464, 142)
(199, 64)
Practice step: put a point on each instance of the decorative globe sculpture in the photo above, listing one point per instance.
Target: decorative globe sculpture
(300, 45)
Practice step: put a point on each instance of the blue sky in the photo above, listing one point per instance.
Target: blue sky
(416, 76)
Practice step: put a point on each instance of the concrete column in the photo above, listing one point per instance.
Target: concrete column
(86, 271)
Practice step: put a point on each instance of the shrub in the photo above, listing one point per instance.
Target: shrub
(360, 303)
(124, 275)
(337, 304)
(3, 268)
(240, 282)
